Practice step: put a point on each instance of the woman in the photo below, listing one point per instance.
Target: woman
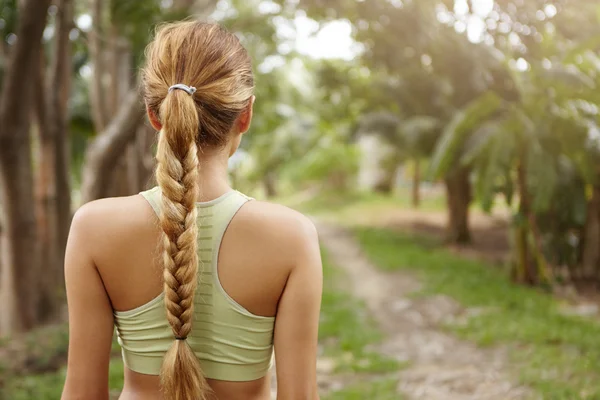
(200, 281)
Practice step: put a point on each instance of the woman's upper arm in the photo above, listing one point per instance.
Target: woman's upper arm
(297, 322)
(90, 314)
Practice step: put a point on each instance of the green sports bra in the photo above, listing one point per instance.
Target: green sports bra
(231, 343)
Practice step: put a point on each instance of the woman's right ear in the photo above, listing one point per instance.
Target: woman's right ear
(153, 119)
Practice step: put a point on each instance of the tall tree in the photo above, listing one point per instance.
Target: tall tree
(434, 71)
(19, 250)
(53, 189)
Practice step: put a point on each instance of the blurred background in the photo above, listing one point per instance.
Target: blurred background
(448, 149)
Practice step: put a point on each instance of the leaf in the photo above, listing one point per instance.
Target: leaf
(569, 75)
(417, 134)
(593, 44)
(509, 187)
(456, 132)
(479, 140)
(542, 177)
(491, 167)
(419, 124)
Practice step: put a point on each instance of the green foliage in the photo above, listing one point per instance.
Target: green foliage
(327, 161)
(49, 386)
(32, 367)
(557, 354)
(9, 13)
(542, 73)
(38, 351)
(381, 389)
(418, 135)
(455, 133)
(345, 206)
(43, 387)
(135, 21)
(8, 24)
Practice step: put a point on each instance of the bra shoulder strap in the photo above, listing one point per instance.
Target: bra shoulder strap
(153, 197)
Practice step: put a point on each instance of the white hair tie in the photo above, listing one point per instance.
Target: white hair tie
(188, 89)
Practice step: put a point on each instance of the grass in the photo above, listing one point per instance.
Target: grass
(383, 389)
(49, 386)
(341, 204)
(557, 355)
(42, 374)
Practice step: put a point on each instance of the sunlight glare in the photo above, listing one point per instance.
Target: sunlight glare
(86, 71)
(268, 7)
(84, 22)
(522, 65)
(461, 7)
(550, 10)
(270, 63)
(475, 29)
(483, 8)
(333, 41)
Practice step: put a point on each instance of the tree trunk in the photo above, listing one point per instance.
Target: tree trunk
(133, 167)
(140, 160)
(269, 184)
(19, 244)
(119, 185)
(107, 148)
(58, 193)
(45, 196)
(120, 84)
(591, 245)
(97, 92)
(524, 272)
(531, 266)
(44, 157)
(416, 185)
(458, 199)
(53, 193)
(146, 139)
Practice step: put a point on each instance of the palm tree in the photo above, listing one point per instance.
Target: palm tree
(523, 146)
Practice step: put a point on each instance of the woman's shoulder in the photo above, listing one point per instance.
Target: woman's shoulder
(272, 217)
(106, 222)
(113, 211)
(276, 228)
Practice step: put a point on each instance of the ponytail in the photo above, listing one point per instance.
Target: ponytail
(177, 177)
(213, 60)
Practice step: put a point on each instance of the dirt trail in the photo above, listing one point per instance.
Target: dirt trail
(441, 367)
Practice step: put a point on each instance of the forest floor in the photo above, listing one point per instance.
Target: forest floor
(436, 364)
(460, 328)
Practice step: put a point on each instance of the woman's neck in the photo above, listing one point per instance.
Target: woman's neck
(213, 178)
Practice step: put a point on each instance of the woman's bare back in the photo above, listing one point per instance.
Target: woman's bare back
(269, 263)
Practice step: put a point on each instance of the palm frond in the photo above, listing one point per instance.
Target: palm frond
(479, 140)
(417, 135)
(456, 132)
(569, 75)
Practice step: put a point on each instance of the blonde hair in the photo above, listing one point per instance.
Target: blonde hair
(209, 58)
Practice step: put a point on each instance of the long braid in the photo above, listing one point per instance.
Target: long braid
(177, 176)
(212, 60)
